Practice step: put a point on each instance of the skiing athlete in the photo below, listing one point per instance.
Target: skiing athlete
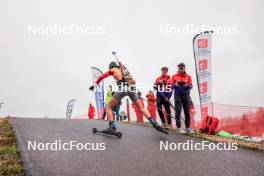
(126, 87)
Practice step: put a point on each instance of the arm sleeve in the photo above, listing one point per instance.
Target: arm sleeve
(155, 86)
(156, 82)
(171, 81)
(190, 82)
(103, 76)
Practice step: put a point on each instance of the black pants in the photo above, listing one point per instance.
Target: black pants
(182, 101)
(162, 101)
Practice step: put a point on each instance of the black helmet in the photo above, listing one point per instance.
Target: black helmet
(113, 65)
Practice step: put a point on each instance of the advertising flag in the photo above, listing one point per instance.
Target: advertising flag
(99, 92)
(70, 106)
(202, 44)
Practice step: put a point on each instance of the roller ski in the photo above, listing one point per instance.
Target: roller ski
(109, 131)
(157, 126)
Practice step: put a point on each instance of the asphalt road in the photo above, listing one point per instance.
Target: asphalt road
(136, 153)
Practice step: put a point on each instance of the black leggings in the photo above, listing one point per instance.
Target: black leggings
(162, 101)
(182, 101)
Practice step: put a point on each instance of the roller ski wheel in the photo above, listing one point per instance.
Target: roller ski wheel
(119, 134)
(108, 132)
(94, 130)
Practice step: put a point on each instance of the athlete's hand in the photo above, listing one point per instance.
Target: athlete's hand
(160, 82)
(155, 87)
(91, 88)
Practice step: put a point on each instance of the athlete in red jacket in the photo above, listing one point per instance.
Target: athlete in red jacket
(182, 84)
(91, 111)
(163, 96)
(151, 99)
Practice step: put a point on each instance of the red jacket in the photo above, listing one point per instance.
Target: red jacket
(91, 112)
(181, 83)
(151, 99)
(160, 84)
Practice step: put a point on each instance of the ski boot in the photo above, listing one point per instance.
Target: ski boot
(189, 130)
(109, 130)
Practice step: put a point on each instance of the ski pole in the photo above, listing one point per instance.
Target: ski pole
(114, 53)
(166, 99)
(171, 116)
(119, 63)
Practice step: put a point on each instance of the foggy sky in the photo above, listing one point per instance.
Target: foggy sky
(40, 73)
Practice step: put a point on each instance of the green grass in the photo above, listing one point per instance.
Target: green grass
(8, 150)
(214, 138)
(10, 163)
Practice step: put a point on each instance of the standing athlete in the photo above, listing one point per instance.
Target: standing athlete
(163, 96)
(126, 87)
(182, 85)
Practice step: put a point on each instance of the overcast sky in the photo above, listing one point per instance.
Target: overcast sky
(40, 73)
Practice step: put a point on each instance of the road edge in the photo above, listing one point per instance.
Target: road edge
(23, 154)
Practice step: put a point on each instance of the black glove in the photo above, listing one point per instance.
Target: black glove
(91, 88)
(155, 87)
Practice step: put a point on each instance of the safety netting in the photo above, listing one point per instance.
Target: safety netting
(242, 120)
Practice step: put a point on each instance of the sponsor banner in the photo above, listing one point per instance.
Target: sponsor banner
(202, 44)
(99, 92)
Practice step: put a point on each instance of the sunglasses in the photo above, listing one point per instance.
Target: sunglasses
(181, 68)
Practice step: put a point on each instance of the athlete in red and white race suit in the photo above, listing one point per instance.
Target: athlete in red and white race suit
(124, 89)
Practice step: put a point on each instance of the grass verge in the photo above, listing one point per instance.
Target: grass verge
(214, 138)
(10, 163)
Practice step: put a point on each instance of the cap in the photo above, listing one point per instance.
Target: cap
(113, 65)
(164, 68)
(181, 65)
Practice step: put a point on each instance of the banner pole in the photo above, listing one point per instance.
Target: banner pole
(196, 73)
(202, 55)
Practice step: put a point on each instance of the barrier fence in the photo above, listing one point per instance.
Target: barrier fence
(243, 120)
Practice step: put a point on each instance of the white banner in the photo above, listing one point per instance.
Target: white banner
(202, 44)
(70, 106)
